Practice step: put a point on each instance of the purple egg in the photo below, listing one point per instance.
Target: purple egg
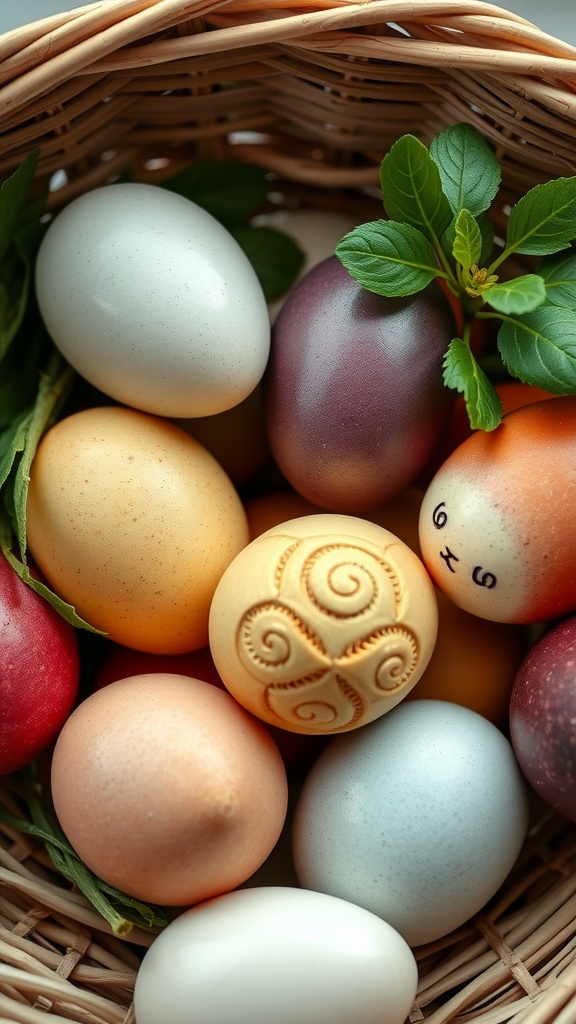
(543, 717)
(355, 401)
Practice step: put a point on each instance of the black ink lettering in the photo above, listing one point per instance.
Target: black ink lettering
(448, 557)
(483, 578)
(439, 517)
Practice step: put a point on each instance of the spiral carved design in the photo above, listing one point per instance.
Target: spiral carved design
(328, 646)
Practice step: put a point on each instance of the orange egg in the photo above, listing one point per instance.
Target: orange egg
(168, 789)
(497, 521)
(133, 522)
(474, 662)
(268, 510)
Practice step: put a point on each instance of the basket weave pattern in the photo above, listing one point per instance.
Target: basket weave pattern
(316, 93)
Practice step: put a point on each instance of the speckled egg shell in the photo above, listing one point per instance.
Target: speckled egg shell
(354, 396)
(417, 817)
(497, 521)
(153, 301)
(542, 717)
(133, 522)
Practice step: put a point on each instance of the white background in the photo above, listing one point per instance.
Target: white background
(558, 17)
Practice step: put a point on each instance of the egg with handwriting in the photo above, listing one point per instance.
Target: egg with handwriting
(133, 522)
(167, 789)
(153, 301)
(497, 522)
(418, 817)
(474, 660)
(276, 953)
(323, 623)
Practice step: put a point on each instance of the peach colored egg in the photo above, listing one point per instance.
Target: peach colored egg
(497, 521)
(298, 752)
(323, 623)
(133, 522)
(168, 789)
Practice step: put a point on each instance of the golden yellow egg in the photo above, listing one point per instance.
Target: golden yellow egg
(133, 522)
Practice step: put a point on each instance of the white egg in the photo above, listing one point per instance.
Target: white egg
(153, 301)
(418, 817)
(276, 954)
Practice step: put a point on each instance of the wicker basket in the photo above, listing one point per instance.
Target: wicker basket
(315, 92)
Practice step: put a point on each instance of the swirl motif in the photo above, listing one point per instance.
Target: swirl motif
(387, 658)
(305, 647)
(345, 580)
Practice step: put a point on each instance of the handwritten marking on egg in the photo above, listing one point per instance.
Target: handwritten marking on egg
(323, 623)
(497, 521)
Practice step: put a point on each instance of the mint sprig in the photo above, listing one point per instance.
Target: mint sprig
(437, 201)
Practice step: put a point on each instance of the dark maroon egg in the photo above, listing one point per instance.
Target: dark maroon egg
(543, 717)
(355, 402)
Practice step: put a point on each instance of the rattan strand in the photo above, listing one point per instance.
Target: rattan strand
(316, 93)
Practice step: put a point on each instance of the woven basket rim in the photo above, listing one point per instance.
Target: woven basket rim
(319, 89)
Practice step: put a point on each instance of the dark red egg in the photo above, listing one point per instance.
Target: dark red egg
(355, 401)
(543, 717)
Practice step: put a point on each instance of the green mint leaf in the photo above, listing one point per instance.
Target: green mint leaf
(469, 170)
(559, 275)
(467, 247)
(228, 189)
(388, 258)
(486, 225)
(14, 195)
(463, 374)
(544, 220)
(540, 348)
(520, 295)
(276, 257)
(411, 188)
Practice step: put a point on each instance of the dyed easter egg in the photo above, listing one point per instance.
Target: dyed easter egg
(497, 521)
(355, 401)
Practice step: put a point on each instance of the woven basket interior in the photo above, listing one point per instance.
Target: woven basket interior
(315, 93)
